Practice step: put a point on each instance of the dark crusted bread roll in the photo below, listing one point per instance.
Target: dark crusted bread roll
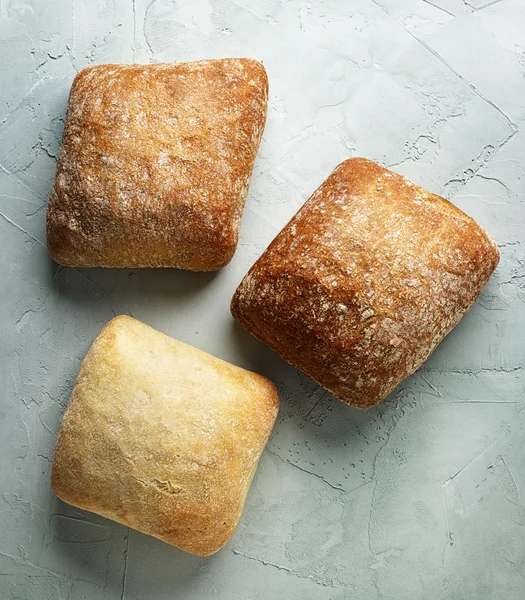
(365, 281)
(155, 164)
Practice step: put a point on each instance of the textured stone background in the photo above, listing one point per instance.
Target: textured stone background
(421, 497)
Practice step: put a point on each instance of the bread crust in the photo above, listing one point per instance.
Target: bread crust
(155, 164)
(366, 279)
(162, 437)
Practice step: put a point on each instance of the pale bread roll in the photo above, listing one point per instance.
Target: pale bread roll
(162, 437)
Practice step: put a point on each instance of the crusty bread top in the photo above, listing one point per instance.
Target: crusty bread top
(162, 437)
(155, 164)
(365, 280)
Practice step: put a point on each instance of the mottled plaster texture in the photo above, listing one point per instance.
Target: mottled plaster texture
(420, 497)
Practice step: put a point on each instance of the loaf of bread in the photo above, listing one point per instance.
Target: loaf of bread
(155, 164)
(365, 280)
(162, 437)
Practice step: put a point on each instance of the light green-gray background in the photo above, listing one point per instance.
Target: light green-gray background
(420, 497)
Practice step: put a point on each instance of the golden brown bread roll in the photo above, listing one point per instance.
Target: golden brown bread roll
(162, 437)
(155, 164)
(365, 280)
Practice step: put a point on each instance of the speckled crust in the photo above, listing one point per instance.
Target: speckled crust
(365, 280)
(162, 437)
(155, 164)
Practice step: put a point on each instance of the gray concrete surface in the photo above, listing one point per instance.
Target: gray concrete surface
(420, 497)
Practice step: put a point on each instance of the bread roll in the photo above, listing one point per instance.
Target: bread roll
(155, 164)
(162, 437)
(365, 280)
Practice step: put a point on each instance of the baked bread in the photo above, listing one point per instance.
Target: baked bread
(162, 437)
(365, 280)
(155, 164)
